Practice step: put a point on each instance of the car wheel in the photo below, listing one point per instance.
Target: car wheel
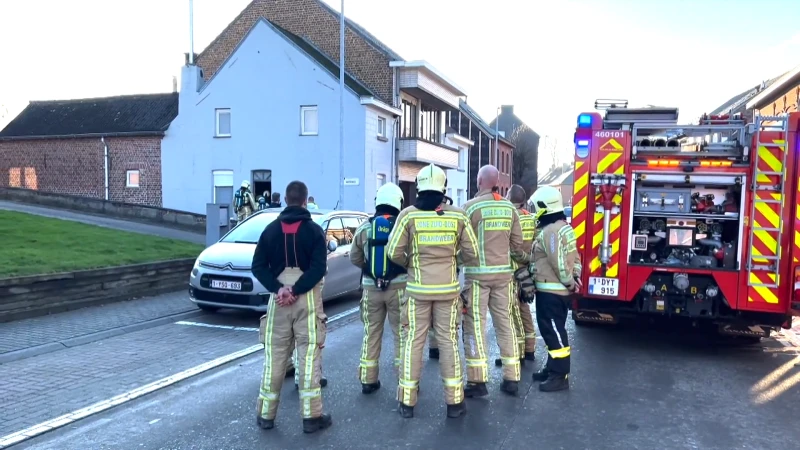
(207, 308)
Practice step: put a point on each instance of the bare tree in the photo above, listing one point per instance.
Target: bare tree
(526, 155)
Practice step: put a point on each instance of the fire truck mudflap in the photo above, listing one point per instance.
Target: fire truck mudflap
(687, 221)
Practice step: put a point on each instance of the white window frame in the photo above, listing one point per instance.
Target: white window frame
(128, 174)
(381, 132)
(380, 180)
(217, 113)
(303, 110)
(462, 158)
(217, 175)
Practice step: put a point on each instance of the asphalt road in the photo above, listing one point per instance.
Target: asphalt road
(632, 388)
(107, 222)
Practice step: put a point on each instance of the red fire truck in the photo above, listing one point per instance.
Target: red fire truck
(695, 221)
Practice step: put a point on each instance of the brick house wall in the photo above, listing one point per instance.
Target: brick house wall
(784, 102)
(314, 22)
(75, 167)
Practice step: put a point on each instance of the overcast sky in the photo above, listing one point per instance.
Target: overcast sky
(549, 59)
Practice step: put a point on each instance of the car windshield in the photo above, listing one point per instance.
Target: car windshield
(250, 230)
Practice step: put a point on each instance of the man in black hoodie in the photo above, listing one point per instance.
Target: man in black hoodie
(290, 261)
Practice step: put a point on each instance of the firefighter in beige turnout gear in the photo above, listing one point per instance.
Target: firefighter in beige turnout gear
(383, 282)
(426, 239)
(489, 285)
(522, 318)
(556, 269)
(244, 204)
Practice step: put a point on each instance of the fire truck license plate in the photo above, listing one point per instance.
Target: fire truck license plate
(228, 285)
(604, 286)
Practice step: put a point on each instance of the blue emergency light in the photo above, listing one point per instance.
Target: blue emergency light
(582, 148)
(584, 121)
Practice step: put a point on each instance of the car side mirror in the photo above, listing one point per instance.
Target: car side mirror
(332, 246)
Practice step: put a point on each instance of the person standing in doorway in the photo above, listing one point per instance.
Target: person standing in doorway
(311, 204)
(276, 200)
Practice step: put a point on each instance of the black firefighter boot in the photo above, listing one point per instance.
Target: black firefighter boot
(406, 412)
(530, 356)
(555, 383)
(370, 387)
(541, 375)
(510, 387)
(317, 423)
(457, 410)
(433, 353)
(475, 390)
(265, 424)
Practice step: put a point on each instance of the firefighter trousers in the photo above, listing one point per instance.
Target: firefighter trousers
(243, 213)
(301, 325)
(523, 325)
(376, 306)
(432, 337)
(551, 316)
(416, 320)
(498, 298)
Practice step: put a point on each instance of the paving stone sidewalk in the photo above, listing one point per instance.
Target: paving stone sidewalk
(43, 387)
(62, 327)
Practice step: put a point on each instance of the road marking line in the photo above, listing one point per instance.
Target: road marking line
(66, 419)
(208, 325)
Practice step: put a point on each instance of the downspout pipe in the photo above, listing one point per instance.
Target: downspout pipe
(105, 166)
(395, 134)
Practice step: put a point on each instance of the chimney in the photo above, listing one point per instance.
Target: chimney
(186, 59)
(174, 84)
(507, 109)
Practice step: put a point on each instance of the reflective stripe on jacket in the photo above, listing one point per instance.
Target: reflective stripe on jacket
(426, 243)
(528, 225)
(496, 223)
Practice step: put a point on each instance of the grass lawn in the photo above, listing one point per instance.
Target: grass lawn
(31, 245)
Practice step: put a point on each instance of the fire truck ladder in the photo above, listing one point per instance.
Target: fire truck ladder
(756, 262)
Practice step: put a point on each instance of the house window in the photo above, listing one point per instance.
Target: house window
(380, 180)
(450, 192)
(381, 127)
(309, 123)
(408, 121)
(462, 158)
(132, 178)
(430, 124)
(460, 197)
(223, 186)
(223, 122)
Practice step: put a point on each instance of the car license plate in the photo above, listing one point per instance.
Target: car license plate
(604, 286)
(227, 285)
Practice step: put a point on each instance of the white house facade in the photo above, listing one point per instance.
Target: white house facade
(270, 115)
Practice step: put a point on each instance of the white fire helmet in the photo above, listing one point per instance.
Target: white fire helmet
(246, 184)
(390, 194)
(547, 200)
(431, 178)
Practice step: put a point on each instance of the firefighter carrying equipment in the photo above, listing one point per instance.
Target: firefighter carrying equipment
(379, 301)
(292, 252)
(547, 200)
(489, 285)
(378, 268)
(527, 287)
(425, 240)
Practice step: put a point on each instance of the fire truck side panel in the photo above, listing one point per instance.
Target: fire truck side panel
(582, 207)
(766, 221)
(610, 154)
(793, 182)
